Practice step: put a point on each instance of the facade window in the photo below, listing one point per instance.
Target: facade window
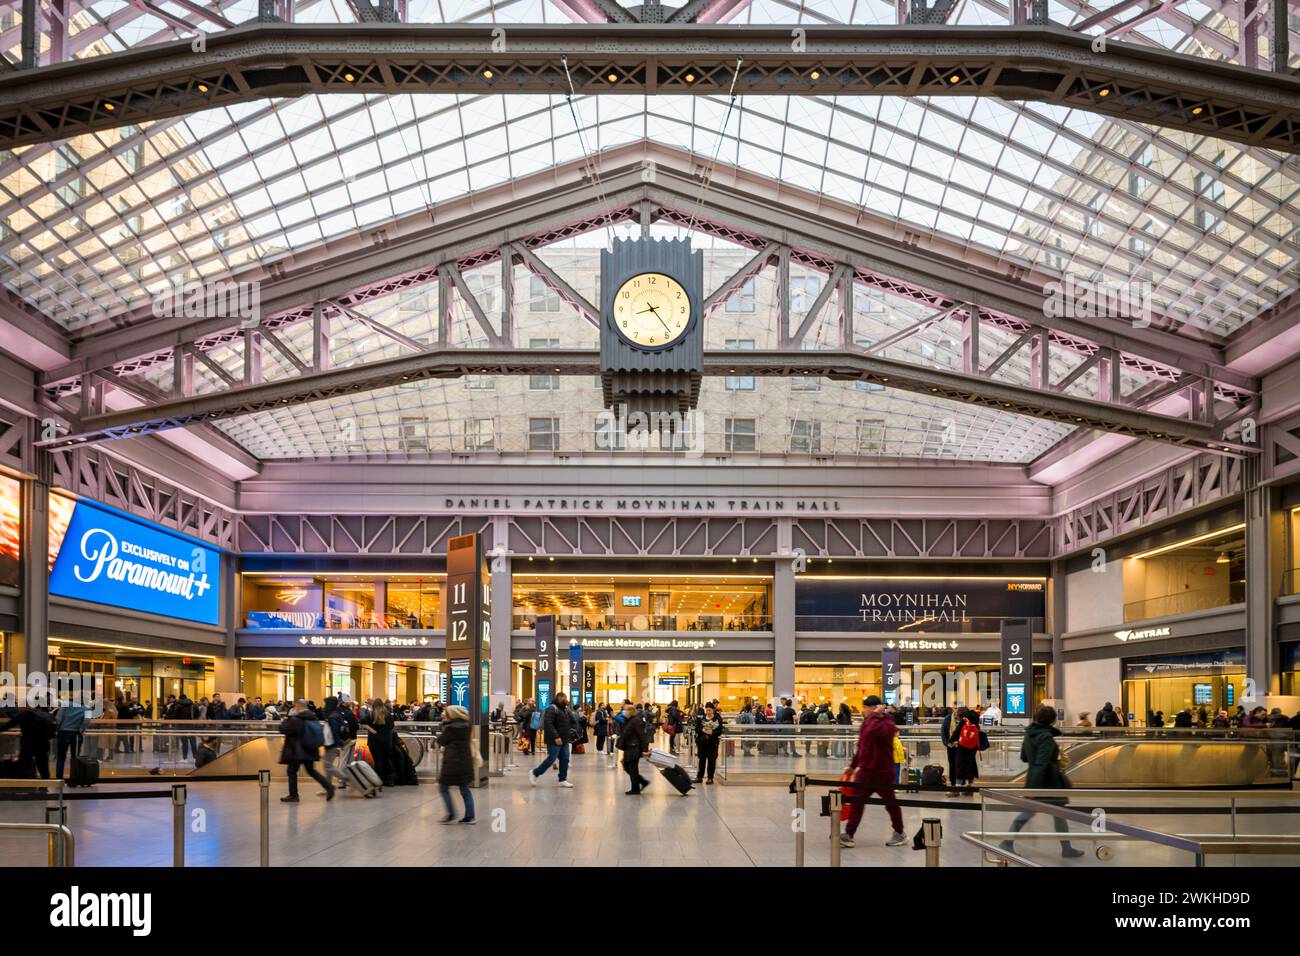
(609, 434)
(805, 436)
(1137, 183)
(1210, 187)
(414, 435)
(803, 292)
(742, 300)
(806, 383)
(484, 294)
(739, 383)
(479, 434)
(543, 434)
(1095, 228)
(871, 436)
(541, 297)
(543, 382)
(479, 381)
(741, 434)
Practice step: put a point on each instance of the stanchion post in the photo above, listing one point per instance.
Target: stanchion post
(837, 804)
(178, 824)
(57, 854)
(801, 816)
(933, 831)
(264, 803)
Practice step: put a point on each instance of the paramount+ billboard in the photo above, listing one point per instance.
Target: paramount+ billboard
(105, 557)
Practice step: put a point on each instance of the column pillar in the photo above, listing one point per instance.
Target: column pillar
(360, 691)
(1264, 542)
(34, 603)
(381, 603)
(501, 625)
(1058, 623)
(225, 672)
(251, 674)
(314, 688)
(783, 628)
(412, 684)
(379, 679)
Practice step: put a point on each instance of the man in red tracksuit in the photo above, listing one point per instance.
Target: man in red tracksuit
(873, 766)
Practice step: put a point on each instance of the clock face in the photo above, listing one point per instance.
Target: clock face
(651, 310)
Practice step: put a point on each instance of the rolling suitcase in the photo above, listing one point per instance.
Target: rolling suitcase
(365, 779)
(679, 778)
(84, 772)
(662, 759)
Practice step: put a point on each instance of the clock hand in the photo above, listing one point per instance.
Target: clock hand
(659, 317)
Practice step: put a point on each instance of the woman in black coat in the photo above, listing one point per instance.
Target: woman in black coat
(457, 762)
(380, 730)
(964, 760)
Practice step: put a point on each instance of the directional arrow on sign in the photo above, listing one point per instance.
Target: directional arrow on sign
(423, 641)
(712, 642)
(889, 644)
(953, 645)
(303, 639)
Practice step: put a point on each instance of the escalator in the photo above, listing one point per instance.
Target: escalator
(1106, 764)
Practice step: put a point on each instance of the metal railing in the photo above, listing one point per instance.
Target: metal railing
(62, 851)
(1098, 824)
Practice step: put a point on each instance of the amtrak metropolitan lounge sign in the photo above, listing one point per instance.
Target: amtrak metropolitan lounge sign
(107, 558)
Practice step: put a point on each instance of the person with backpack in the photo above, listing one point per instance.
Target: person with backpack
(843, 718)
(557, 728)
(873, 771)
(340, 740)
(1042, 758)
(966, 763)
(1107, 717)
(745, 718)
(673, 726)
(303, 739)
(807, 718)
(528, 721)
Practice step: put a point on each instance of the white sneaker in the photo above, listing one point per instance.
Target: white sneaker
(846, 841)
(898, 839)
(532, 778)
(565, 783)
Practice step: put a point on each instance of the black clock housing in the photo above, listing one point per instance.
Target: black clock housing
(660, 379)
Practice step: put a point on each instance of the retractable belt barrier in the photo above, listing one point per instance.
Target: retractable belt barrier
(178, 793)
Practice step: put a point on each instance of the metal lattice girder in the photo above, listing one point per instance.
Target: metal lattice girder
(742, 207)
(446, 363)
(1015, 62)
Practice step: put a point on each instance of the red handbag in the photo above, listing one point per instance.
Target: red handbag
(846, 778)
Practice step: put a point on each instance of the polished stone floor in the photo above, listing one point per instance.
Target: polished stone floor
(519, 825)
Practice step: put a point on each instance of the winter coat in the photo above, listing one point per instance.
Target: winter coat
(457, 758)
(874, 757)
(293, 747)
(1042, 758)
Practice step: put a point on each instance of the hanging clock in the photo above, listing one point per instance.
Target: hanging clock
(652, 330)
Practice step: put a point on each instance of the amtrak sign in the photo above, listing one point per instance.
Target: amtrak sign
(1142, 634)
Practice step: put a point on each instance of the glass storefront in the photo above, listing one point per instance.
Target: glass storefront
(1290, 666)
(1204, 572)
(933, 686)
(134, 676)
(1203, 684)
(347, 602)
(644, 603)
(836, 684)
